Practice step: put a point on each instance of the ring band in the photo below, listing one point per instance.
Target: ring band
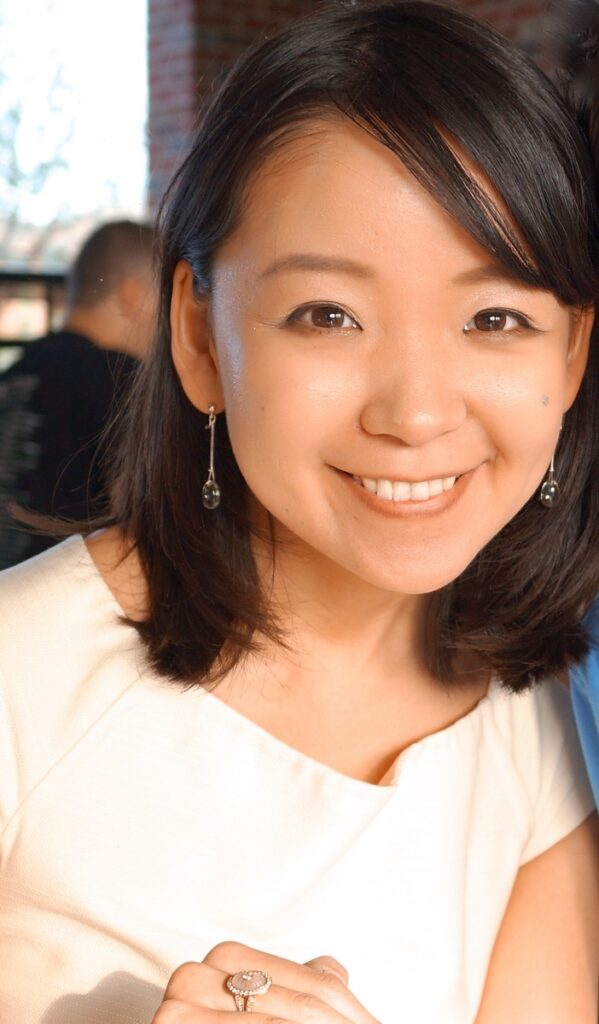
(245, 986)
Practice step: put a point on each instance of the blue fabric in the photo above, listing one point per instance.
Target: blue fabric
(584, 689)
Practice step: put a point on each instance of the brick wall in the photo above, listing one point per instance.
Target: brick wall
(191, 42)
(525, 21)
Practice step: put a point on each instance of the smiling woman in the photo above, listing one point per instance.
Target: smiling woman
(314, 652)
(407, 369)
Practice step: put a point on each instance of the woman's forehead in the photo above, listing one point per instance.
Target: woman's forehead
(334, 188)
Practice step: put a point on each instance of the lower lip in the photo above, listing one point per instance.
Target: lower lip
(410, 509)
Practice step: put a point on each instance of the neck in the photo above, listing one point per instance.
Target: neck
(105, 326)
(338, 624)
(351, 688)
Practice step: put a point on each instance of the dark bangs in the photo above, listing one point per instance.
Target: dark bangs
(427, 81)
(437, 88)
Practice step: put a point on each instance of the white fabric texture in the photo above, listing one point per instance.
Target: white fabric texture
(142, 824)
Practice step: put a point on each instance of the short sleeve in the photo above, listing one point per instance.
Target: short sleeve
(562, 797)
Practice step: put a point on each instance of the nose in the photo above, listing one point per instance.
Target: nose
(416, 391)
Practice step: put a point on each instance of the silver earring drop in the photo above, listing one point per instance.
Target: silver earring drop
(211, 490)
(549, 493)
(549, 488)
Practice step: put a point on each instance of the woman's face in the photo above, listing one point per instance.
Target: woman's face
(392, 398)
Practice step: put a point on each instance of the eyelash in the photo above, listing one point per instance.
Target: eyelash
(522, 321)
(296, 318)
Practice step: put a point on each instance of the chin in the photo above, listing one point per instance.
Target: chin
(411, 570)
(421, 580)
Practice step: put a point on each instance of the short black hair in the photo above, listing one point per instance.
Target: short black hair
(118, 249)
(429, 82)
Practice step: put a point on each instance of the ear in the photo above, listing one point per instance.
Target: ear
(578, 350)
(192, 345)
(130, 294)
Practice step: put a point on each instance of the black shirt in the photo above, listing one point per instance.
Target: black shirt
(54, 404)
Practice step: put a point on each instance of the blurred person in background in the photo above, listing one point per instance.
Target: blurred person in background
(57, 399)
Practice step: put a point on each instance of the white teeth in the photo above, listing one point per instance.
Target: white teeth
(420, 492)
(384, 489)
(400, 490)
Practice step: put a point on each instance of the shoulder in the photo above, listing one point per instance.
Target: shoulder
(65, 656)
(538, 732)
(51, 363)
(535, 717)
(57, 616)
(47, 597)
(42, 352)
(57, 620)
(59, 353)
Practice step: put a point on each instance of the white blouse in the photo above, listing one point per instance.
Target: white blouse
(142, 824)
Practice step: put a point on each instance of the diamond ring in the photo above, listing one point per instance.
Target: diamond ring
(246, 985)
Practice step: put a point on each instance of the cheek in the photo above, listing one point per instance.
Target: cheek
(283, 390)
(523, 407)
(257, 390)
(269, 415)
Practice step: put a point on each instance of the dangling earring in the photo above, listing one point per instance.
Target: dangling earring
(211, 490)
(549, 492)
(549, 488)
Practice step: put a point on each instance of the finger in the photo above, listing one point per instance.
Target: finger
(327, 963)
(172, 1011)
(303, 1007)
(231, 957)
(234, 956)
(200, 986)
(278, 1003)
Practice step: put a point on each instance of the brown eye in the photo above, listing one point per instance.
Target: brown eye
(490, 321)
(327, 316)
(496, 321)
(323, 317)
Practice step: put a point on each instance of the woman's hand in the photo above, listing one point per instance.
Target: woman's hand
(312, 993)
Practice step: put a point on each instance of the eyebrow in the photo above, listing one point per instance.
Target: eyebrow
(344, 265)
(488, 272)
(314, 262)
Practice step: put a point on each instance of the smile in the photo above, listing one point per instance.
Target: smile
(402, 490)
